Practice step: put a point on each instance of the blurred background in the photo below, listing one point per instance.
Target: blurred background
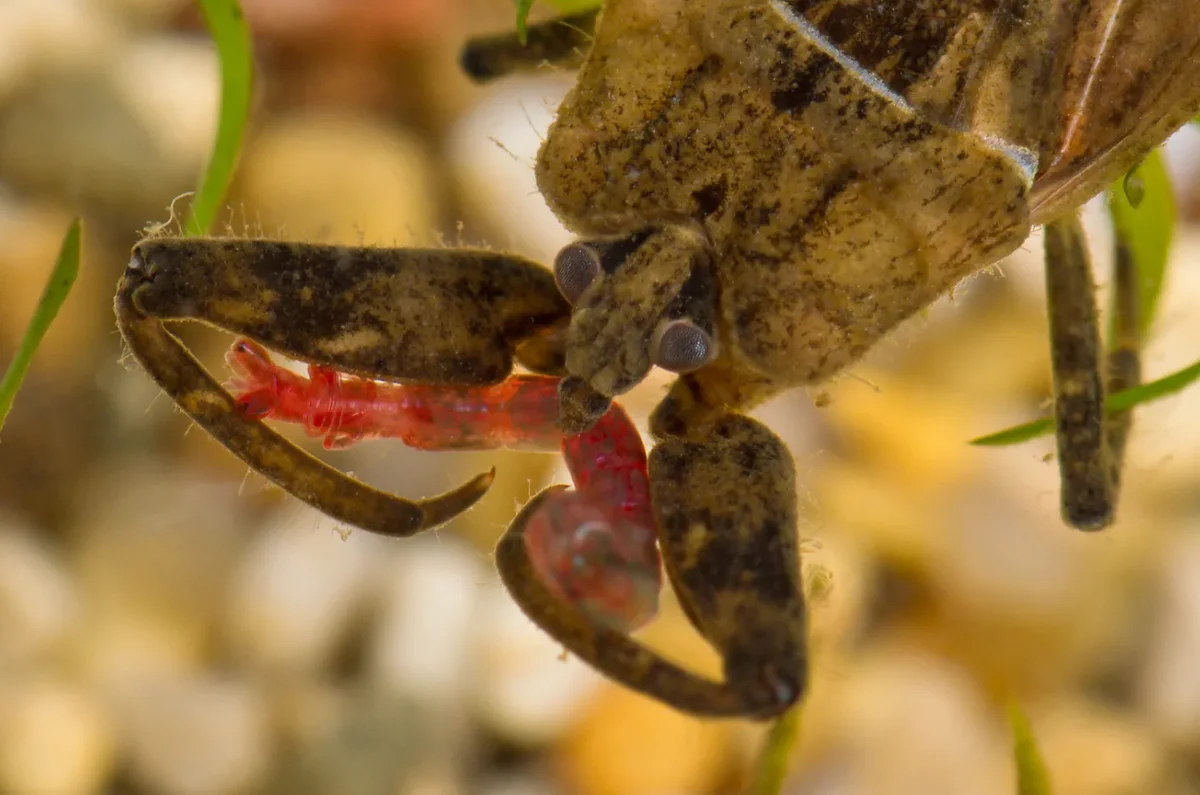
(173, 625)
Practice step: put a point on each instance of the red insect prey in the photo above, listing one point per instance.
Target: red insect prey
(594, 547)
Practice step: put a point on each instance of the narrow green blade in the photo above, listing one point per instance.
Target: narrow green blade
(1149, 228)
(53, 295)
(523, 7)
(232, 37)
(1032, 778)
(1120, 401)
(564, 6)
(777, 748)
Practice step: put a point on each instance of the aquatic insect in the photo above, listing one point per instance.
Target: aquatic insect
(761, 189)
(594, 547)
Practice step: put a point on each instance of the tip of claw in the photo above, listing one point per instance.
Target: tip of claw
(442, 509)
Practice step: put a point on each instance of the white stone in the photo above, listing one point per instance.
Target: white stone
(143, 13)
(172, 86)
(527, 690)
(153, 553)
(299, 591)
(37, 35)
(1169, 684)
(337, 178)
(421, 641)
(55, 739)
(196, 736)
(38, 603)
(906, 723)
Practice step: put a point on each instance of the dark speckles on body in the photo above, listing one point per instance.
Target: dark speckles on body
(798, 86)
(711, 197)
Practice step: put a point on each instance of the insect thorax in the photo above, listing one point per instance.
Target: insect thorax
(834, 208)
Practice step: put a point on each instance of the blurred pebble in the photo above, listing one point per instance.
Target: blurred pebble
(153, 550)
(43, 35)
(171, 85)
(142, 13)
(893, 522)
(525, 691)
(354, 21)
(38, 602)
(299, 591)
(925, 451)
(420, 642)
(304, 707)
(336, 179)
(114, 166)
(900, 721)
(372, 747)
(999, 322)
(1093, 750)
(492, 151)
(626, 743)
(55, 739)
(196, 735)
(521, 782)
(433, 779)
(1169, 685)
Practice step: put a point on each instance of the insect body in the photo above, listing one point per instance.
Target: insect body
(761, 189)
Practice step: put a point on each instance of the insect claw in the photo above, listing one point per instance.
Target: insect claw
(442, 509)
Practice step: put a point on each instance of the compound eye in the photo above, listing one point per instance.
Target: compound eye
(681, 347)
(575, 268)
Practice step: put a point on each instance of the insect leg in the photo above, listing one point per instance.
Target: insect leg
(319, 485)
(726, 510)
(562, 42)
(594, 547)
(433, 316)
(1084, 459)
(519, 413)
(428, 315)
(611, 652)
(1124, 355)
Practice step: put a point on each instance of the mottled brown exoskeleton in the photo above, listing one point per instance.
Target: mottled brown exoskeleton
(762, 189)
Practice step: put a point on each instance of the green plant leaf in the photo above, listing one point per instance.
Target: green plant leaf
(523, 7)
(53, 295)
(1148, 227)
(1032, 778)
(564, 6)
(575, 6)
(1120, 401)
(232, 37)
(777, 749)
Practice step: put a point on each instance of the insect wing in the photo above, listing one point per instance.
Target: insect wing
(974, 65)
(1132, 80)
(1088, 88)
